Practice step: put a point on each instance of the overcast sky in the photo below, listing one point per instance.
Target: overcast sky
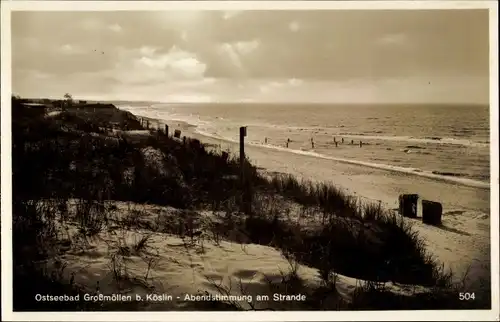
(415, 56)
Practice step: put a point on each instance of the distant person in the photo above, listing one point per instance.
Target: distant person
(336, 144)
(360, 144)
(342, 140)
(352, 141)
(334, 140)
(265, 140)
(287, 143)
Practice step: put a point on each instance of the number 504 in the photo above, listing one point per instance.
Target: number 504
(466, 296)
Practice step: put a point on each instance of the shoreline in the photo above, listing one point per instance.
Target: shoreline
(462, 243)
(438, 158)
(255, 153)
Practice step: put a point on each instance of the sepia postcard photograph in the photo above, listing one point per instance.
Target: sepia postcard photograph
(249, 160)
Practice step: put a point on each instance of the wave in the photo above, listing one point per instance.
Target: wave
(374, 135)
(442, 176)
(424, 140)
(159, 111)
(451, 174)
(412, 171)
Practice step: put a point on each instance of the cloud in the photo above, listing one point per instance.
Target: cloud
(231, 14)
(294, 26)
(281, 84)
(295, 82)
(230, 51)
(236, 53)
(150, 65)
(115, 27)
(148, 50)
(189, 97)
(69, 49)
(246, 47)
(392, 39)
(91, 24)
(283, 51)
(184, 35)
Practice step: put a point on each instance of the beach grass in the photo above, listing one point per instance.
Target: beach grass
(76, 164)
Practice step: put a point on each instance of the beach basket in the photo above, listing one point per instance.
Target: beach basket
(431, 212)
(408, 205)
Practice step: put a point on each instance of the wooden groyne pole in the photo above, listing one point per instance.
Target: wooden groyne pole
(246, 203)
(166, 129)
(243, 133)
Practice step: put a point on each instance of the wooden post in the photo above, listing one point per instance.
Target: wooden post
(225, 156)
(147, 124)
(166, 129)
(245, 207)
(243, 133)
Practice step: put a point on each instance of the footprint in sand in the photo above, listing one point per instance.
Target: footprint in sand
(245, 274)
(454, 213)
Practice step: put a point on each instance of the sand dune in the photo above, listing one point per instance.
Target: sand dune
(170, 265)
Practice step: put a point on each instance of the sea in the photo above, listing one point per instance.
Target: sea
(444, 142)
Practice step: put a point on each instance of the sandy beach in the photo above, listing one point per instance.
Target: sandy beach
(462, 243)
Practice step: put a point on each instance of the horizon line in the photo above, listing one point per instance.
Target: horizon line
(470, 104)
